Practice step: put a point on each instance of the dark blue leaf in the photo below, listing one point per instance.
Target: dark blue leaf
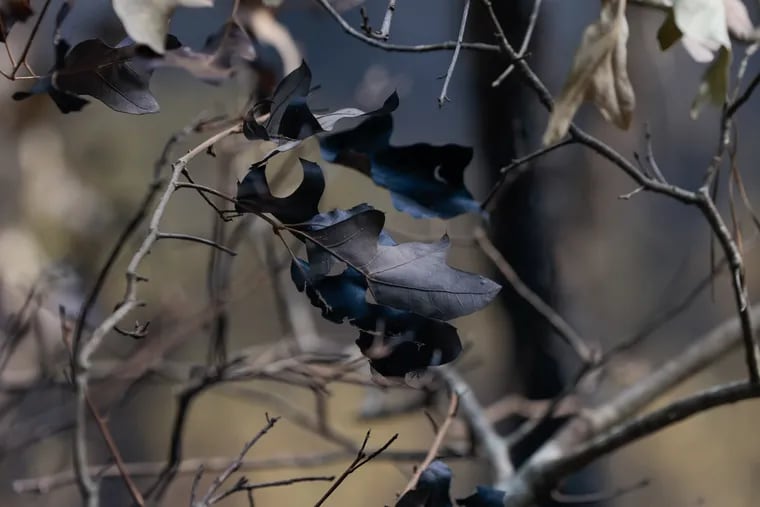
(409, 276)
(254, 195)
(66, 102)
(321, 260)
(483, 497)
(292, 89)
(432, 488)
(396, 342)
(340, 297)
(290, 118)
(408, 342)
(425, 181)
(111, 75)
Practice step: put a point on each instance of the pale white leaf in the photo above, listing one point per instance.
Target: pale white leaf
(737, 19)
(703, 21)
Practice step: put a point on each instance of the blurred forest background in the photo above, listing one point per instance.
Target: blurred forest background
(69, 182)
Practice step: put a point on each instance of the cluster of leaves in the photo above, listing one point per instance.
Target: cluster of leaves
(414, 292)
(403, 329)
(599, 71)
(433, 486)
(120, 76)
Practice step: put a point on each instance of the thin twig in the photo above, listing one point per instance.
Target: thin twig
(244, 485)
(235, 465)
(195, 239)
(421, 48)
(751, 349)
(32, 35)
(532, 21)
(437, 442)
(517, 168)
(360, 460)
(463, 25)
(147, 469)
(744, 97)
(585, 353)
(385, 28)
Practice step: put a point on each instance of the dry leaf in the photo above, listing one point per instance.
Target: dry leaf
(714, 85)
(598, 74)
(147, 21)
(271, 32)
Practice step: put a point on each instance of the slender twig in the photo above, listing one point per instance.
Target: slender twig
(115, 453)
(5, 31)
(361, 459)
(147, 469)
(744, 97)
(751, 349)
(22, 59)
(437, 442)
(421, 48)
(585, 353)
(517, 168)
(101, 422)
(131, 227)
(650, 155)
(205, 189)
(234, 466)
(195, 239)
(463, 25)
(385, 28)
(196, 483)
(184, 401)
(525, 43)
(244, 485)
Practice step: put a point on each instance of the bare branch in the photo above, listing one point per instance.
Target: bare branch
(195, 239)
(437, 442)
(751, 349)
(539, 473)
(235, 465)
(421, 48)
(493, 445)
(517, 168)
(586, 354)
(443, 97)
(361, 459)
(244, 485)
(532, 21)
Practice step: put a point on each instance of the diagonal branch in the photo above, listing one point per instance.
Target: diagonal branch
(420, 48)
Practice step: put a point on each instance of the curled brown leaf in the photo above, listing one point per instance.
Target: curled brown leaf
(599, 74)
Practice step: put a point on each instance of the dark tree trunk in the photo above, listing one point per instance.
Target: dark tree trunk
(519, 227)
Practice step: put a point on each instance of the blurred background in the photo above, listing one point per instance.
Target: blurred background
(69, 183)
